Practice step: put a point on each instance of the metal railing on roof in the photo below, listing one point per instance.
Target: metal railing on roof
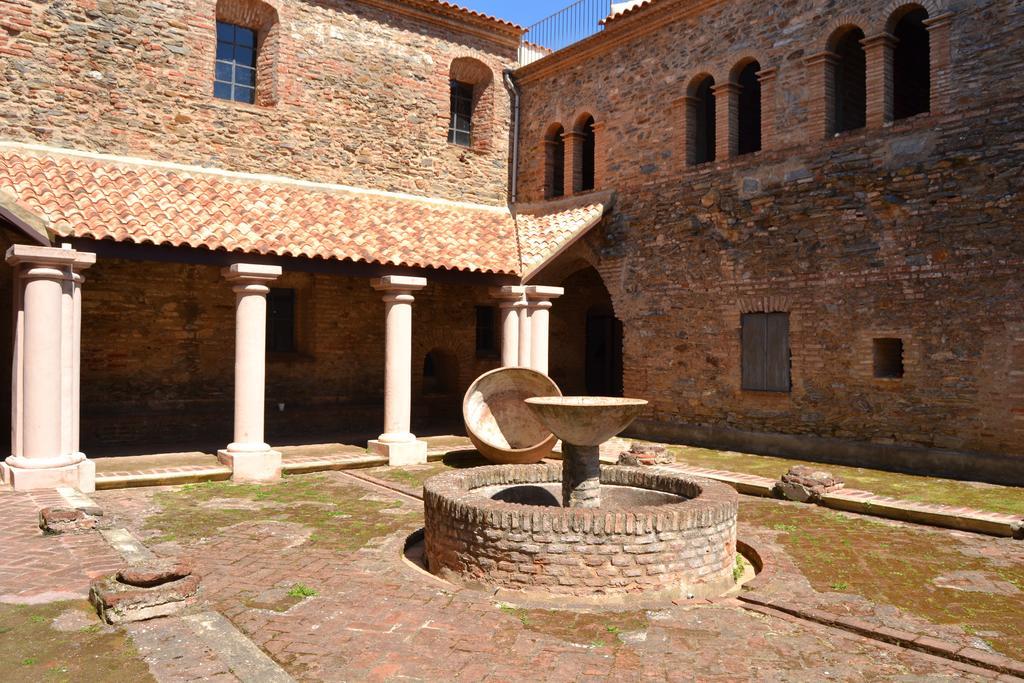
(579, 20)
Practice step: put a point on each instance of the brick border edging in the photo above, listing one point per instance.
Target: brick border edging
(905, 639)
(868, 503)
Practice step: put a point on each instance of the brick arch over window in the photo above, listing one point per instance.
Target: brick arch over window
(898, 8)
(472, 72)
(747, 117)
(262, 18)
(554, 161)
(700, 119)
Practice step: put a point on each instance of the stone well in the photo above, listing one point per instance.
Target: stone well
(655, 532)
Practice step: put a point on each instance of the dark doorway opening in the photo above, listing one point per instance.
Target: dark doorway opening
(911, 66)
(603, 354)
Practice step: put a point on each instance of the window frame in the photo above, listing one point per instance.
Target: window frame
(460, 93)
(233, 45)
(492, 350)
(275, 319)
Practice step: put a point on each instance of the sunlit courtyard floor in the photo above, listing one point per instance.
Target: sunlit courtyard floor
(310, 570)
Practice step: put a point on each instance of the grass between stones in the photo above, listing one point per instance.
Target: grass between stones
(899, 566)
(64, 641)
(342, 516)
(1007, 499)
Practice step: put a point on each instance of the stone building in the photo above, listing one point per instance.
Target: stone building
(794, 229)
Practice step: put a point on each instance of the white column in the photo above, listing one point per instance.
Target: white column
(523, 307)
(248, 455)
(44, 403)
(397, 442)
(508, 297)
(540, 308)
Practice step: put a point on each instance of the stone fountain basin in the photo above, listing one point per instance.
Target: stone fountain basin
(498, 422)
(586, 420)
(671, 535)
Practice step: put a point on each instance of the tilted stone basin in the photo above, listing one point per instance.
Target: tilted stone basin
(499, 423)
(583, 423)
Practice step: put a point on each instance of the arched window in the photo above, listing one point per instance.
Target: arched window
(471, 108)
(586, 142)
(554, 162)
(702, 120)
(849, 78)
(246, 54)
(749, 118)
(911, 64)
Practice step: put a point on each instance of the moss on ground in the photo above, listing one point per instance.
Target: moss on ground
(1007, 499)
(413, 476)
(342, 516)
(595, 629)
(896, 565)
(33, 650)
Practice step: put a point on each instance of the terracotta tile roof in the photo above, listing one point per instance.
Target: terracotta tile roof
(546, 229)
(472, 12)
(104, 197)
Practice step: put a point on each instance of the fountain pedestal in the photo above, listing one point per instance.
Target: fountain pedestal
(583, 423)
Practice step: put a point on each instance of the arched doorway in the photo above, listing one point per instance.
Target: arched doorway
(586, 338)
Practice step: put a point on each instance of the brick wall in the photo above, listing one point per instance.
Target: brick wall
(158, 357)
(360, 94)
(908, 231)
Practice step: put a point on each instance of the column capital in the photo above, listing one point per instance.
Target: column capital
(543, 293)
(726, 88)
(939, 21)
(573, 134)
(767, 74)
(398, 283)
(54, 257)
(251, 273)
(508, 292)
(884, 38)
(826, 56)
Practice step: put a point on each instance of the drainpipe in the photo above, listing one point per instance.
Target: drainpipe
(511, 86)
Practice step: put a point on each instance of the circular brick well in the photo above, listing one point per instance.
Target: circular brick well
(656, 532)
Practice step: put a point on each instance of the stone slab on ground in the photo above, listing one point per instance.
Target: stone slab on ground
(156, 588)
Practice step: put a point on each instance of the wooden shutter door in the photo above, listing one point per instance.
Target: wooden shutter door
(753, 326)
(777, 352)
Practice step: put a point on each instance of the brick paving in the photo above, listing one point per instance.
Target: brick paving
(376, 618)
(36, 568)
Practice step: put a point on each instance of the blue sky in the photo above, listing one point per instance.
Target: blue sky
(522, 12)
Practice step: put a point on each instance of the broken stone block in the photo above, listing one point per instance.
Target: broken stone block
(157, 588)
(645, 455)
(68, 520)
(806, 485)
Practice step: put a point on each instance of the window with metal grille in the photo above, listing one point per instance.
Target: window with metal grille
(281, 321)
(234, 77)
(888, 358)
(765, 341)
(486, 331)
(460, 124)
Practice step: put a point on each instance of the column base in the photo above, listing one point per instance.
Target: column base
(81, 476)
(400, 453)
(253, 467)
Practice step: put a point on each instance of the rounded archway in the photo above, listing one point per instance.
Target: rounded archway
(586, 348)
